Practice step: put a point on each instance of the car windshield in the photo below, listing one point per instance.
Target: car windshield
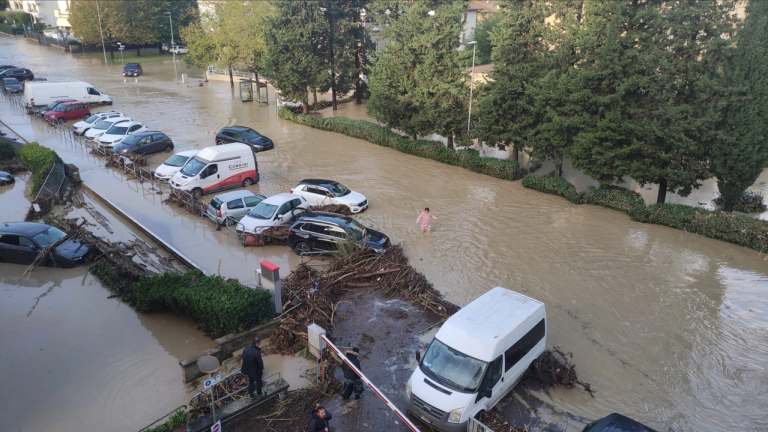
(339, 189)
(9, 81)
(250, 134)
(104, 124)
(131, 66)
(117, 130)
(356, 229)
(176, 161)
(133, 139)
(263, 211)
(92, 118)
(193, 167)
(452, 368)
(49, 236)
(60, 108)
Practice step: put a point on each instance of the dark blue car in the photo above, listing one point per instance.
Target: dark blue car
(616, 423)
(245, 135)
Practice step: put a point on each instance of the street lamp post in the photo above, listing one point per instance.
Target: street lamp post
(471, 84)
(173, 48)
(103, 47)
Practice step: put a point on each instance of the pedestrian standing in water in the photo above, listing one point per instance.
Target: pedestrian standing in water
(253, 367)
(318, 420)
(425, 218)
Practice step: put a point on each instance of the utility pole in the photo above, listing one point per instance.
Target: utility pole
(471, 84)
(173, 47)
(103, 47)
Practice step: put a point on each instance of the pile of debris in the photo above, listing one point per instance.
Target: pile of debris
(496, 422)
(555, 369)
(12, 166)
(312, 295)
(331, 208)
(273, 236)
(186, 201)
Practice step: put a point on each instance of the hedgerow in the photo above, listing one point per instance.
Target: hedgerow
(553, 185)
(39, 160)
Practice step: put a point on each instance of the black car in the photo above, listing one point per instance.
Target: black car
(21, 242)
(11, 85)
(616, 423)
(145, 143)
(4, 67)
(245, 135)
(18, 73)
(6, 178)
(323, 231)
(132, 69)
(53, 105)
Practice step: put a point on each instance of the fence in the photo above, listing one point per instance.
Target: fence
(45, 40)
(474, 425)
(53, 182)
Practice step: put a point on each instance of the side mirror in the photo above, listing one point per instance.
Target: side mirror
(418, 356)
(487, 392)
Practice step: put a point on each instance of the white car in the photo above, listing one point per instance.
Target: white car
(165, 172)
(118, 132)
(178, 49)
(280, 209)
(325, 192)
(102, 126)
(81, 127)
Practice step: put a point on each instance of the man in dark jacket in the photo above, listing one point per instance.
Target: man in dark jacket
(253, 367)
(318, 420)
(351, 380)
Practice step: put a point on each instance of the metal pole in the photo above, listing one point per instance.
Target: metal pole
(121, 57)
(471, 84)
(103, 47)
(213, 404)
(175, 75)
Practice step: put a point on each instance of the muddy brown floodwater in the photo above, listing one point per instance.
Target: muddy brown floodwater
(669, 327)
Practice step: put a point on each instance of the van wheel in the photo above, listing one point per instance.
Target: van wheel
(197, 192)
(247, 182)
(302, 247)
(168, 148)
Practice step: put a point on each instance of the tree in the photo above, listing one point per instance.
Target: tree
(506, 105)
(201, 43)
(417, 83)
(484, 29)
(740, 152)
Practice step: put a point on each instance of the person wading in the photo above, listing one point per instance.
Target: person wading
(318, 421)
(351, 380)
(425, 218)
(253, 367)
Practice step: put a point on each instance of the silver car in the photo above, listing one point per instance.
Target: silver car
(233, 205)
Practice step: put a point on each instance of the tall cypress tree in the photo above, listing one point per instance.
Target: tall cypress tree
(740, 152)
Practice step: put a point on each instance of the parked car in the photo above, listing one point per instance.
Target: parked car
(12, 85)
(68, 111)
(323, 231)
(132, 69)
(82, 127)
(245, 135)
(21, 242)
(6, 178)
(280, 209)
(119, 132)
(101, 127)
(53, 105)
(4, 67)
(42, 93)
(178, 49)
(616, 423)
(322, 192)
(145, 143)
(235, 204)
(18, 73)
(165, 172)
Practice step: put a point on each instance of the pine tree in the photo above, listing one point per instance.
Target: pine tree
(740, 152)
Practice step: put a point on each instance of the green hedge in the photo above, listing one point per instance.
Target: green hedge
(39, 160)
(620, 199)
(7, 152)
(553, 185)
(470, 159)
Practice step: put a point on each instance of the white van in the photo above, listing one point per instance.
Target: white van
(219, 167)
(43, 93)
(476, 358)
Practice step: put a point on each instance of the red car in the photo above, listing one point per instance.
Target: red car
(68, 111)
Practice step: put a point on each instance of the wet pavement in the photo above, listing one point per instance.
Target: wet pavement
(669, 327)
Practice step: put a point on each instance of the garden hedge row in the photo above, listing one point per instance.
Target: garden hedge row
(39, 160)
(470, 159)
(732, 228)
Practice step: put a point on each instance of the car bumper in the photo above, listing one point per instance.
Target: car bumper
(429, 419)
(4, 182)
(132, 74)
(357, 208)
(163, 179)
(69, 262)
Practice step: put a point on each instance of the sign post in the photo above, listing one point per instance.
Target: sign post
(216, 427)
(121, 48)
(210, 365)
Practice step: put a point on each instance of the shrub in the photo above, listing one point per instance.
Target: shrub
(381, 135)
(7, 152)
(617, 198)
(750, 202)
(553, 185)
(39, 160)
(176, 419)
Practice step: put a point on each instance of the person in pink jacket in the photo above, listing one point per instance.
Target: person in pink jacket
(425, 218)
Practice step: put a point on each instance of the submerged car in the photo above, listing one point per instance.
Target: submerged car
(323, 231)
(12, 85)
(22, 242)
(20, 74)
(245, 135)
(6, 178)
(132, 69)
(232, 205)
(68, 111)
(82, 127)
(322, 192)
(277, 210)
(145, 143)
(165, 172)
(616, 423)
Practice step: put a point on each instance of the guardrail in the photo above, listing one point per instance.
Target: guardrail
(263, 380)
(474, 425)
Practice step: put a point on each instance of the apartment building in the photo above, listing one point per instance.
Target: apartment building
(52, 13)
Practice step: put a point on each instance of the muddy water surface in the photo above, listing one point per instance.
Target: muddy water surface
(670, 327)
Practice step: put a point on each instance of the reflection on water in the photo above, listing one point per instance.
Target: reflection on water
(665, 324)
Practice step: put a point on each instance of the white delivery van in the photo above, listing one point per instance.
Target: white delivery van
(43, 93)
(216, 168)
(476, 358)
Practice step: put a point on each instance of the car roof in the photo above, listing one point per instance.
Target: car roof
(235, 194)
(142, 133)
(618, 423)
(328, 217)
(318, 182)
(132, 64)
(235, 128)
(130, 122)
(26, 228)
(280, 198)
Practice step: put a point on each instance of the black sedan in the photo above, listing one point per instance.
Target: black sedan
(4, 67)
(145, 143)
(18, 73)
(6, 178)
(616, 423)
(22, 242)
(245, 135)
(12, 85)
(132, 69)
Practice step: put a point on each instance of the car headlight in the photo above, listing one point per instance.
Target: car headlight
(185, 182)
(408, 389)
(124, 151)
(258, 230)
(455, 415)
(118, 140)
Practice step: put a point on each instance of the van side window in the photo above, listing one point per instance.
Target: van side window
(93, 91)
(524, 345)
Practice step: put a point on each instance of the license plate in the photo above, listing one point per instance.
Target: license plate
(424, 419)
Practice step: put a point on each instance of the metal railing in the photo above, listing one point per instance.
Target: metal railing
(263, 380)
(474, 425)
(53, 182)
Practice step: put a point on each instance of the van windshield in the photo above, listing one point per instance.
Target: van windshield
(452, 368)
(193, 167)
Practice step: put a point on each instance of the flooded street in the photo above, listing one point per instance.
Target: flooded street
(671, 328)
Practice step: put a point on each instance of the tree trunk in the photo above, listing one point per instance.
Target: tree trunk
(414, 137)
(258, 91)
(515, 153)
(358, 85)
(450, 141)
(728, 207)
(138, 52)
(314, 96)
(662, 192)
(558, 169)
(333, 63)
(231, 78)
(305, 107)
(159, 47)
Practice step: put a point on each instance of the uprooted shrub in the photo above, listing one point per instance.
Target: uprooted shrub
(39, 160)
(553, 185)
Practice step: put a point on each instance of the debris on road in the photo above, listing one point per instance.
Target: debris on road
(555, 369)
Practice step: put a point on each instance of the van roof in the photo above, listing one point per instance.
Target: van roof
(478, 327)
(219, 152)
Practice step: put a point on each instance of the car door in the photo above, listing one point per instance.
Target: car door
(333, 236)
(325, 196)
(144, 146)
(17, 249)
(235, 209)
(283, 214)
(92, 95)
(237, 136)
(159, 141)
(320, 239)
(69, 113)
(210, 178)
(226, 136)
(492, 380)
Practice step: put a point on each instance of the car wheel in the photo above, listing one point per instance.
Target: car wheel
(302, 248)
(62, 121)
(197, 192)
(168, 148)
(247, 182)
(219, 142)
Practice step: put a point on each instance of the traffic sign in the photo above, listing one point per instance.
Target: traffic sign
(216, 427)
(121, 48)
(210, 68)
(212, 381)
